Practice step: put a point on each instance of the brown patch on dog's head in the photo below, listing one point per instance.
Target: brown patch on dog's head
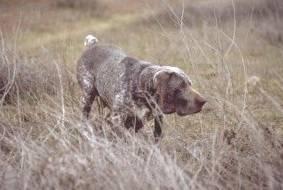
(174, 92)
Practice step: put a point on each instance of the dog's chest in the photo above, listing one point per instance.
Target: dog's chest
(142, 112)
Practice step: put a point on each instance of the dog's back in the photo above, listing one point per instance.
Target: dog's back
(94, 56)
(108, 70)
(99, 69)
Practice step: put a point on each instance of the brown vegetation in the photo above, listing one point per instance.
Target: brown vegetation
(235, 143)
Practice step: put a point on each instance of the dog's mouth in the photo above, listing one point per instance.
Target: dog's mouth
(168, 111)
(179, 113)
(183, 113)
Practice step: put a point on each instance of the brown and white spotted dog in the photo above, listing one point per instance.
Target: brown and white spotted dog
(134, 90)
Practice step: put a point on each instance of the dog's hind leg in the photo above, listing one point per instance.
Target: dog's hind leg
(86, 81)
(87, 101)
(89, 94)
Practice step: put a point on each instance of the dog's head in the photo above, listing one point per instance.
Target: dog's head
(175, 93)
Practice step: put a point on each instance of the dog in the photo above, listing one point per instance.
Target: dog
(134, 90)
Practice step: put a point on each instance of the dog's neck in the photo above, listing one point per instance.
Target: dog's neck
(146, 80)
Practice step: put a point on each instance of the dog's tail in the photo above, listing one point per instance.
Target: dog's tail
(90, 40)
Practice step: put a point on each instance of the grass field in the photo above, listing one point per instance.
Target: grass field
(232, 51)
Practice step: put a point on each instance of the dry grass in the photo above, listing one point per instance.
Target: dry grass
(235, 143)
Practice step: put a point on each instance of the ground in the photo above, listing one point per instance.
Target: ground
(232, 51)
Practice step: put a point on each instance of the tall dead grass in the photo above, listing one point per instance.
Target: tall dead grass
(266, 15)
(45, 145)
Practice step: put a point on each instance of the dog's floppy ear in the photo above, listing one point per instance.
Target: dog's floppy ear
(163, 92)
(162, 75)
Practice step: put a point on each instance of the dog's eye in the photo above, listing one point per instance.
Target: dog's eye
(183, 84)
(177, 91)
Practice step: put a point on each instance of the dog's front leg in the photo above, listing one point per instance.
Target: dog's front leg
(133, 122)
(158, 123)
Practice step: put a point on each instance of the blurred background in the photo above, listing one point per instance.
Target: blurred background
(231, 49)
